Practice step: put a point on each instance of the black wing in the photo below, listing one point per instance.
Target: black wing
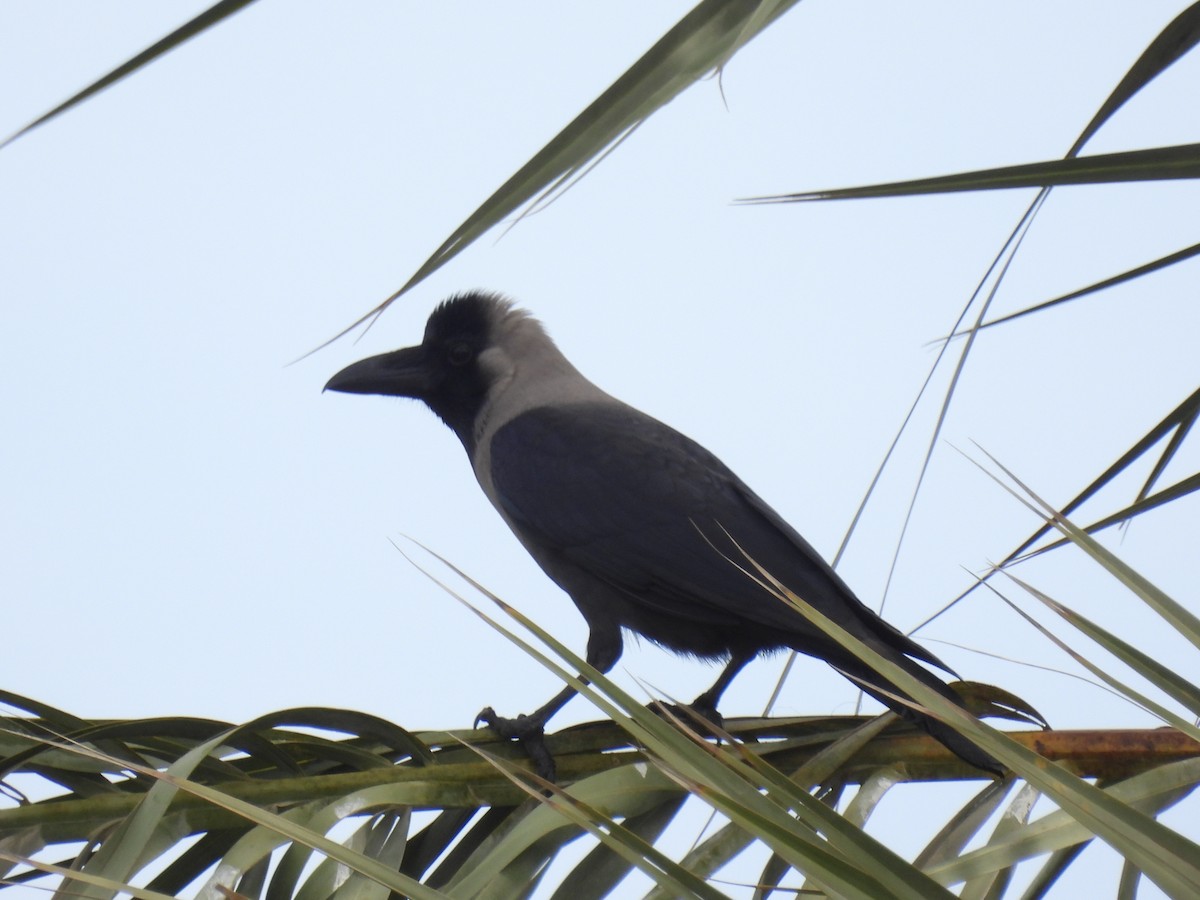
(652, 513)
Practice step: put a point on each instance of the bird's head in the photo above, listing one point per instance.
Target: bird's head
(467, 350)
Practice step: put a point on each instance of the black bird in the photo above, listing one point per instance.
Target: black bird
(635, 521)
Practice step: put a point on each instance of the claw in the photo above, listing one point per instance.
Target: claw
(528, 732)
(486, 716)
(687, 715)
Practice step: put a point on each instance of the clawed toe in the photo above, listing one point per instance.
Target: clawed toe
(521, 728)
(709, 714)
(486, 716)
(527, 730)
(691, 714)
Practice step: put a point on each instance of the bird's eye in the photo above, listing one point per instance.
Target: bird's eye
(459, 353)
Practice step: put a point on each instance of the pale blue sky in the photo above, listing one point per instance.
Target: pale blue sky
(193, 528)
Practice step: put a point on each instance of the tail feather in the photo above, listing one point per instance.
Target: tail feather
(879, 688)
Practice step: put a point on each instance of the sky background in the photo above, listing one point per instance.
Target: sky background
(192, 528)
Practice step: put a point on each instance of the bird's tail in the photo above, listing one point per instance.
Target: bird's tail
(879, 688)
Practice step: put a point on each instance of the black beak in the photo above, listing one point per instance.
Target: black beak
(401, 373)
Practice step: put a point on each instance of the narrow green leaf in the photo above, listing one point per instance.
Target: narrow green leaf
(17, 847)
(734, 787)
(588, 805)
(1052, 869)
(1163, 677)
(603, 869)
(431, 842)
(1144, 504)
(256, 845)
(1186, 412)
(986, 886)
(105, 886)
(1177, 616)
(381, 837)
(1180, 417)
(1127, 887)
(180, 35)
(123, 853)
(870, 794)
(1148, 793)
(149, 812)
(702, 40)
(386, 841)
(1177, 39)
(962, 828)
(1154, 164)
(713, 853)
(1166, 857)
(1129, 275)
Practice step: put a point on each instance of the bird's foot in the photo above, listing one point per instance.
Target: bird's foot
(707, 712)
(691, 716)
(529, 732)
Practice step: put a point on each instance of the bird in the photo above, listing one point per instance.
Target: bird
(640, 525)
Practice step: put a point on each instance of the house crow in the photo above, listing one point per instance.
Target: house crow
(641, 526)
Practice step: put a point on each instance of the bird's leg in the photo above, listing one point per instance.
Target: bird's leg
(525, 726)
(529, 730)
(604, 649)
(706, 704)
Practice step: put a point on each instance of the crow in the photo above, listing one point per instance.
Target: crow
(644, 528)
